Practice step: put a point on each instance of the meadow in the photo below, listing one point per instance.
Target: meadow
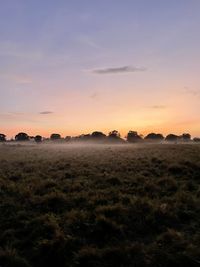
(99, 205)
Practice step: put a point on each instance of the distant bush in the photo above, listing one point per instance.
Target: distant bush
(2, 137)
(38, 138)
(22, 137)
(55, 137)
(154, 137)
(114, 136)
(98, 136)
(133, 137)
(172, 138)
(185, 137)
(68, 138)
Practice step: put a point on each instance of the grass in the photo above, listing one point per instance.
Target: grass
(103, 205)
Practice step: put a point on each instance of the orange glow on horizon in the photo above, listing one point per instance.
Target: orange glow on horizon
(163, 129)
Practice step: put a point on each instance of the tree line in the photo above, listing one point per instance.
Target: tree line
(113, 136)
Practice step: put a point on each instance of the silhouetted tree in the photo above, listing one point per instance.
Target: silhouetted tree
(154, 137)
(186, 137)
(2, 137)
(196, 139)
(133, 137)
(98, 135)
(172, 138)
(38, 138)
(55, 137)
(160, 137)
(86, 136)
(82, 137)
(68, 138)
(21, 137)
(114, 136)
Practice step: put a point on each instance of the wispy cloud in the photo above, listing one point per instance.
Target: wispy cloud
(117, 70)
(190, 91)
(17, 117)
(94, 95)
(18, 51)
(46, 112)
(21, 79)
(10, 115)
(158, 107)
(18, 79)
(86, 40)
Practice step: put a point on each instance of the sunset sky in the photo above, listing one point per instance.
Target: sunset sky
(75, 66)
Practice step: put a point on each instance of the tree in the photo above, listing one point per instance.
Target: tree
(186, 137)
(21, 137)
(133, 137)
(172, 138)
(68, 138)
(154, 137)
(38, 138)
(2, 137)
(55, 137)
(114, 136)
(196, 139)
(98, 135)
(84, 137)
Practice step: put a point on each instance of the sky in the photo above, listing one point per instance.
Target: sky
(74, 66)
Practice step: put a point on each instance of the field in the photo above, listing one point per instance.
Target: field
(103, 205)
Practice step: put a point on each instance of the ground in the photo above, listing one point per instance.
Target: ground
(99, 205)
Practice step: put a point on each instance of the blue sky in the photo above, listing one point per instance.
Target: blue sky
(51, 53)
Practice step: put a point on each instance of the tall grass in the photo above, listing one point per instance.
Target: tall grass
(125, 205)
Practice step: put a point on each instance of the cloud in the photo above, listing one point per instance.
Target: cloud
(190, 91)
(116, 70)
(158, 106)
(11, 49)
(94, 95)
(17, 117)
(46, 112)
(86, 40)
(18, 79)
(10, 115)
(23, 80)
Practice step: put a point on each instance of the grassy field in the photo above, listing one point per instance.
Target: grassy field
(103, 205)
